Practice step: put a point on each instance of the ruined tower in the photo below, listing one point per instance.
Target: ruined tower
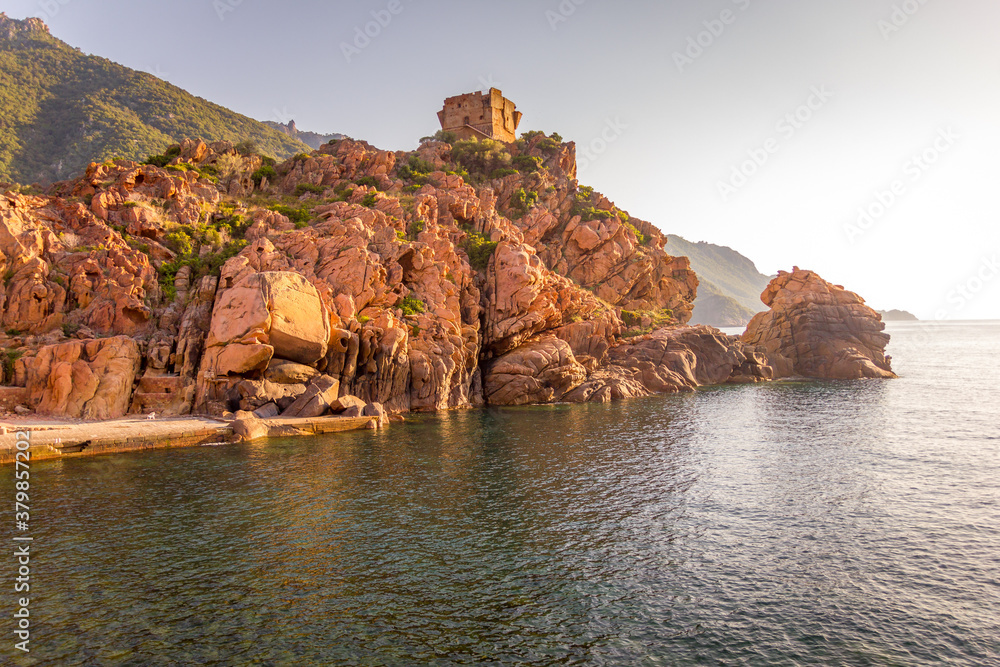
(481, 116)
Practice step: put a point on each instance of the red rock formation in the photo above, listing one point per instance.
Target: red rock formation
(818, 330)
(412, 286)
(88, 379)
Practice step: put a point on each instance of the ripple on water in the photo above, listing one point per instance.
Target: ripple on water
(796, 523)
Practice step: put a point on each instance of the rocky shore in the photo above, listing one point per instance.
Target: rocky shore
(356, 282)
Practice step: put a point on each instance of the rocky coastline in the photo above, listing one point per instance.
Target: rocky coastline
(358, 282)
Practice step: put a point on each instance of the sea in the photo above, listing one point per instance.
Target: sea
(793, 523)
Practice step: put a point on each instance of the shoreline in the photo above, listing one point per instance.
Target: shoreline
(57, 439)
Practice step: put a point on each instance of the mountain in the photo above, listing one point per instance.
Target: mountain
(730, 284)
(61, 109)
(312, 139)
(897, 316)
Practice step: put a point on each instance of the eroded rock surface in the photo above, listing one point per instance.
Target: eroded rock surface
(87, 379)
(819, 330)
(367, 282)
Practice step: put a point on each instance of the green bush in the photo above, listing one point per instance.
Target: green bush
(368, 181)
(549, 144)
(639, 236)
(160, 161)
(441, 135)
(416, 170)
(266, 171)
(10, 358)
(527, 163)
(300, 216)
(481, 158)
(479, 249)
(246, 148)
(522, 201)
(200, 267)
(416, 227)
(303, 188)
(502, 173)
(370, 200)
(180, 242)
(411, 306)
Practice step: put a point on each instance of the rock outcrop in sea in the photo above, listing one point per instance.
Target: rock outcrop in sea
(818, 330)
(449, 277)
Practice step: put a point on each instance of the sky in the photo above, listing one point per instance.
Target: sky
(856, 138)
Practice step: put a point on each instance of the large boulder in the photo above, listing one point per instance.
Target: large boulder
(316, 400)
(542, 370)
(282, 371)
(818, 330)
(265, 315)
(88, 379)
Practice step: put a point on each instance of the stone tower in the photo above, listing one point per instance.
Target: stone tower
(481, 116)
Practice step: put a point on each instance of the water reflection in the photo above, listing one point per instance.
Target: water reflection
(812, 522)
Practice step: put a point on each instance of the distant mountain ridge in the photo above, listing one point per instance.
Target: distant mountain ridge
(898, 316)
(730, 284)
(61, 109)
(312, 139)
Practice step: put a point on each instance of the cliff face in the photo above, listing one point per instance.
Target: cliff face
(420, 281)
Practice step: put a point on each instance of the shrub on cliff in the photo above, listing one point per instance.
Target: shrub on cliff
(300, 216)
(522, 201)
(303, 188)
(415, 169)
(265, 171)
(442, 136)
(180, 242)
(479, 249)
(200, 267)
(481, 158)
(527, 163)
(411, 306)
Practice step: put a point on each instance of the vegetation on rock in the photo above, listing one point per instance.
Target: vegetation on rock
(63, 109)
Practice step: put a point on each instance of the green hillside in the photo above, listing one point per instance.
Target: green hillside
(729, 293)
(61, 109)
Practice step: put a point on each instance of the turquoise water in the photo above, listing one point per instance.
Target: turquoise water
(852, 523)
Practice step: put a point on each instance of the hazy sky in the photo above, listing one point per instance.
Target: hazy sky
(764, 125)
